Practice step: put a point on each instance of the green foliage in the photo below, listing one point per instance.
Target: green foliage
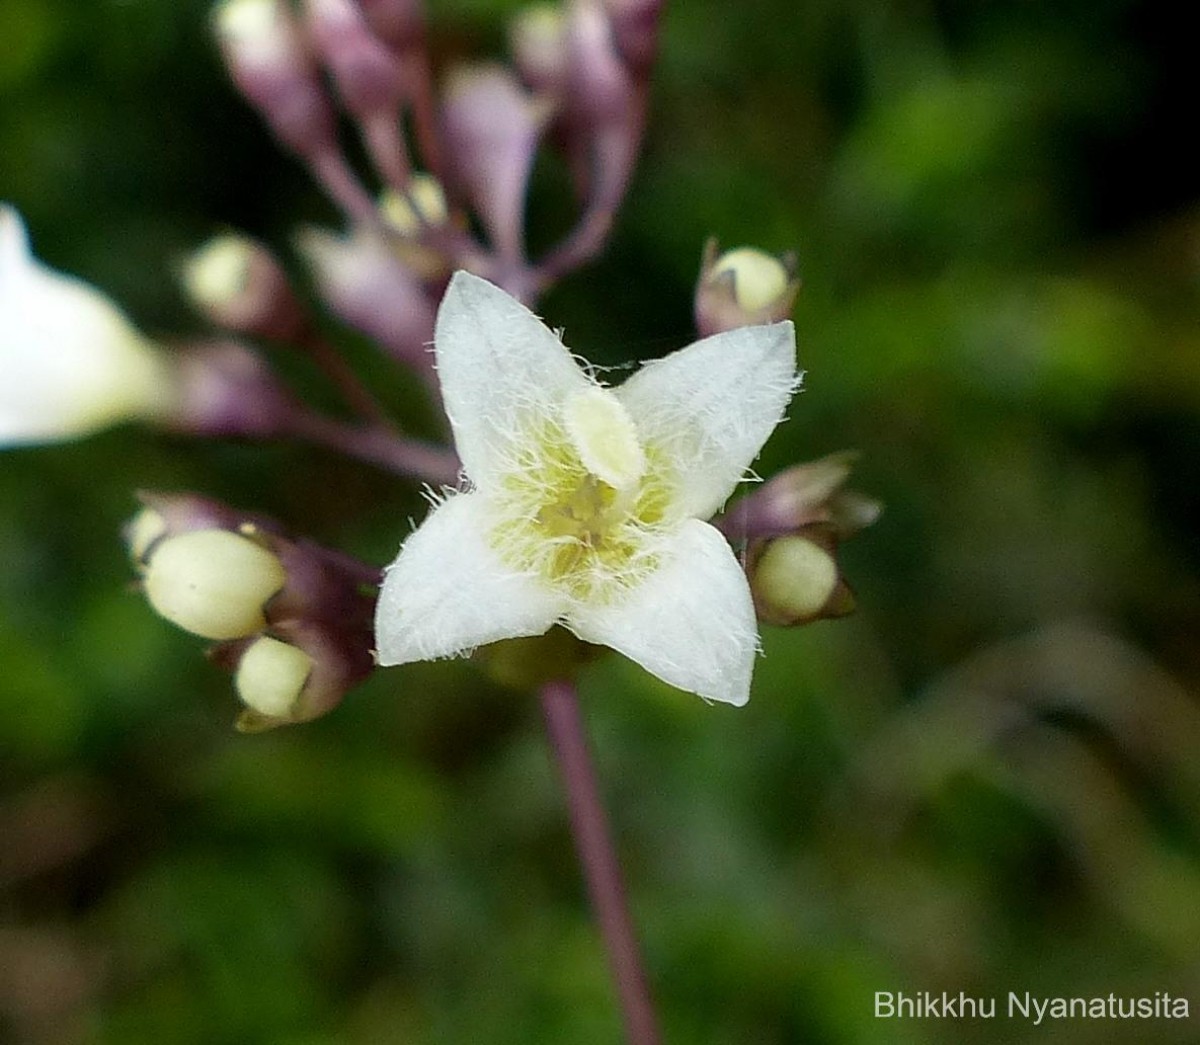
(984, 781)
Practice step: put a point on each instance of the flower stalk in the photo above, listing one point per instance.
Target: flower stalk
(426, 462)
(598, 857)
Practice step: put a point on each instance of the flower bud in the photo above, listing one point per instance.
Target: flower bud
(793, 524)
(143, 532)
(601, 88)
(795, 580)
(365, 284)
(537, 37)
(320, 584)
(271, 676)
(213, 583)
(492, 127)
(166, 515)
(269, 62)
(604, 114)
(298, 673)
(743, 287)
(801, 496)
(368, 75)
(238, 284)
(72, 363)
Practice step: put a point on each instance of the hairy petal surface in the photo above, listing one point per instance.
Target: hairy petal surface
(709, 408)
(500, 369)
(691, 622)
(448, 592)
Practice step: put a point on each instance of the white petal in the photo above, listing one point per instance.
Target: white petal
(71, 361)
(709, 408)
(448, 592)
(14, 243)
(499, 368)
(691, 622)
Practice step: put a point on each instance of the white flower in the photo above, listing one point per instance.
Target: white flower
(585, 503)
(70, 361)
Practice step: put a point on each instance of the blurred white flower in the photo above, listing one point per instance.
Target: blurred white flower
(585, 503)
(70, 361)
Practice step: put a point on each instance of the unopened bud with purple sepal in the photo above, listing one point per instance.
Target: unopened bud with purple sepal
(213, 583)
(801, 496)
(237, 283)
(366, 284)
(368, 75)
(297, 672)
(492, 126)
(413, 214)
(743, 287)
(293, 619)
(307, 580)
(269, 61)
(795, 579)
(790, 529)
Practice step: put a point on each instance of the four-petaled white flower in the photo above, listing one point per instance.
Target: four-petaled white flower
(585, 504)
(70, 361)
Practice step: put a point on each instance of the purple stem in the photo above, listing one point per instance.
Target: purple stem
(424, 116)
(385, 145)
(328, 165)
(356, 394)
(593, 840)
(380, 446)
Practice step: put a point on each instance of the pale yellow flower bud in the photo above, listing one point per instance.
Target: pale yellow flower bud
(795, 580)
(238, 284)
(759, 279)
(743, 287)
(271, 677)
(260, 32)
(298, 672)
(141, 533)
(213, 583)
(218, 272)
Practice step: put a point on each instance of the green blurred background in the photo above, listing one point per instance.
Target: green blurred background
(986, 780)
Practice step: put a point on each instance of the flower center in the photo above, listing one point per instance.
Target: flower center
(581, 507)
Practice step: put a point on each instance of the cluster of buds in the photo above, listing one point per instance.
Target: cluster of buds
(791, 527)
(580, 83)
(236, 283)
(291, 620)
